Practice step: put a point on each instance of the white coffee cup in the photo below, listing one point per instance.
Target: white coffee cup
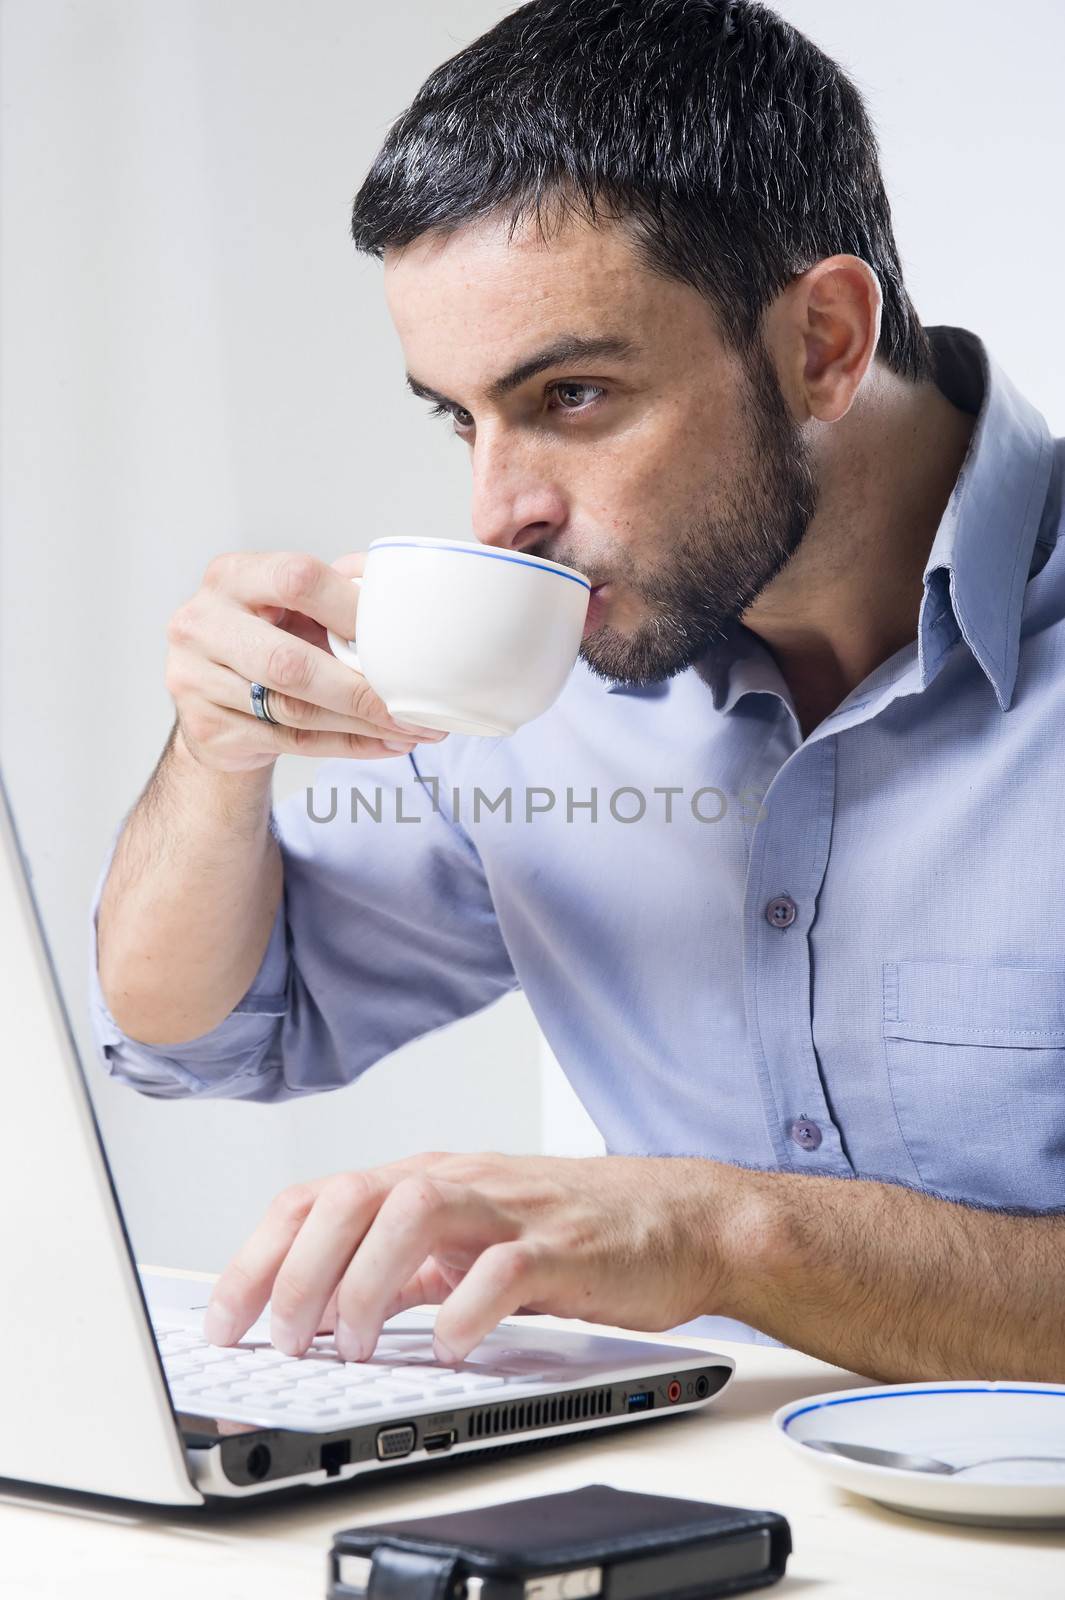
(457, 636)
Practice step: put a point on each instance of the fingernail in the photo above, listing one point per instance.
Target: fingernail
(401, 749)
(219, 1326)
(446, 1357)
(423, 733)
(348, 1342)
(285, 1338)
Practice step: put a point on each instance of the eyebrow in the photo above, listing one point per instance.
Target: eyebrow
(568, 347)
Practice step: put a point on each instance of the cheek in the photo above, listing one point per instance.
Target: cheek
(693, 463)
(632, 477)
(651, 486)
(667, 468)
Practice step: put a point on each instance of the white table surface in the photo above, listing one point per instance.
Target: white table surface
(63, 1545)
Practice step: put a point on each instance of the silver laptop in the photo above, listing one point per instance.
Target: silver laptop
(107, 1384)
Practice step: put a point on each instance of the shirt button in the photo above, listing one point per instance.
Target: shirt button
(782, 911)
(805, 1133)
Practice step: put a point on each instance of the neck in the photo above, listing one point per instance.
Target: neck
(850, 596)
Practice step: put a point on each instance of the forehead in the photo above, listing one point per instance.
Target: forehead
(484, 291)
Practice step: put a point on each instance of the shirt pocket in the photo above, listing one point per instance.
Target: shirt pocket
(975, 1058)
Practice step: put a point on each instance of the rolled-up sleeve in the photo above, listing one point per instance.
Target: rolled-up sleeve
(386, 931)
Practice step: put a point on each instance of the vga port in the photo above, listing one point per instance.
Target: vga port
(393, 1442)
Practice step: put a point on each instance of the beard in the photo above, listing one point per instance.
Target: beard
(723, 561)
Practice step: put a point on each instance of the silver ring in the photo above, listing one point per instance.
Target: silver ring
(261, 706)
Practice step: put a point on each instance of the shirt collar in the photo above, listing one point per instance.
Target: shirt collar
(980, 559)
(975, 575)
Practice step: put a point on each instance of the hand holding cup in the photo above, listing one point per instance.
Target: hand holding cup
(263, 617)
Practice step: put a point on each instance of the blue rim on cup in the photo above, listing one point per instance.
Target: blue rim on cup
(538, 563)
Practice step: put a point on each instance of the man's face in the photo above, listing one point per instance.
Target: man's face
(672, 473)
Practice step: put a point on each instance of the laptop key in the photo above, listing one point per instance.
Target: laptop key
(421, 1370)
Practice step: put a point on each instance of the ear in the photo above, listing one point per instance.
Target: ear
(831, 315)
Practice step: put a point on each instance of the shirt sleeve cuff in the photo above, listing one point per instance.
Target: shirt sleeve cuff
(245, 1044)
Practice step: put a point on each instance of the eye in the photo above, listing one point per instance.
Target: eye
(568, 391)
(455, 412)
(566, 388)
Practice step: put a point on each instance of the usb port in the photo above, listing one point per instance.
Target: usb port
(643, 1401)
(393, 1442)
(438, 1441)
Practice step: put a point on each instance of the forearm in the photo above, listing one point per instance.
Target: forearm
(899, 1285)
(190, 899)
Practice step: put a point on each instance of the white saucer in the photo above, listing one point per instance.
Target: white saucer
(959, 1422)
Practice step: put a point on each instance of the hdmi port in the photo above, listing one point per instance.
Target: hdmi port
(438, 1441)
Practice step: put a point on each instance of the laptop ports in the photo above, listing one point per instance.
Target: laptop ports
(642, 1401)
(335, 1455)
(259, 1462)
(395, 1442)
(434, 1442)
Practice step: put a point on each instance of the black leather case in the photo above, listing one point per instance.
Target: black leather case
(640, 1542)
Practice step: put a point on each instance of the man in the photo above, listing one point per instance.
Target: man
(810, 981)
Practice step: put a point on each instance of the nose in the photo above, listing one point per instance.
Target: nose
(516, 503)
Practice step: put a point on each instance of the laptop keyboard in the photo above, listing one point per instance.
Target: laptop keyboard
(254, 1382)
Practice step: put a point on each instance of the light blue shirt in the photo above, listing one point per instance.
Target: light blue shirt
(841, 954)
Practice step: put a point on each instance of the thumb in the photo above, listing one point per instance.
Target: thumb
(351, 566)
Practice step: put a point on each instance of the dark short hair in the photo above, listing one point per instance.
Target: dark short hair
(738, 153)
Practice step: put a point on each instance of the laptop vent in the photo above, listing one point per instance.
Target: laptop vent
(543, 1413)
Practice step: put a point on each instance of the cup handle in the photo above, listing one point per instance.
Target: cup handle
(344, 649)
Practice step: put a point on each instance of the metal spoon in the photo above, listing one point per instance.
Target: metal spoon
(909, 1463)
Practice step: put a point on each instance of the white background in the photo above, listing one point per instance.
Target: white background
(193, 359)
